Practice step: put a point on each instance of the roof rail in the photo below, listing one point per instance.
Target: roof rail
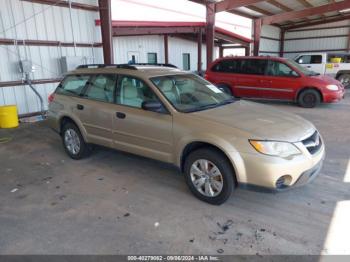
(124, 66)
(150, 64)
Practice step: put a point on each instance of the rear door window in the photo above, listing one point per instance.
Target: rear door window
(309, 59)
(227, 66)
(73, 85)
(102, 88)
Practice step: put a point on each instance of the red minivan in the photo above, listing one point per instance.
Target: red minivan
(264, 77)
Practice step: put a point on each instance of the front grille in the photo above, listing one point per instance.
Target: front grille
(313, 143)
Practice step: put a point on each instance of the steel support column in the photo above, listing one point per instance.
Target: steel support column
(210, 24)
(199, 48)
(221, 51)
(106, 30)
(166, 49)
(283, 33)
(257, 34)
(247, 50)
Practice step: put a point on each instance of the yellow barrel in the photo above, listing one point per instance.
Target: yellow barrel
(8, 116)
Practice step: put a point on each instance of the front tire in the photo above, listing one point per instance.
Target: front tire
(209, 175)
(309, 98)
(73, 142)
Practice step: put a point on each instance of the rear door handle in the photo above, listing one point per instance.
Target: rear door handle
(80, 107)
(120, 115)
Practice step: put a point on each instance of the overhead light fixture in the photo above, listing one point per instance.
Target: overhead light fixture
(345, 10)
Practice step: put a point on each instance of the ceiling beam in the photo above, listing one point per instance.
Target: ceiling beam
(318, 22)
(308, 5)
(62, 3)
(306, 12)
(305, 3)
(258, 10)
(240, 13)
(130, 31)
(232, 4)
(279, 5)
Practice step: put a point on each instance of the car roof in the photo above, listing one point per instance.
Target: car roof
(142, 71)
(275, 58)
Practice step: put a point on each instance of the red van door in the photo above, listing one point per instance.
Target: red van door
(283, 81)
(251, 80)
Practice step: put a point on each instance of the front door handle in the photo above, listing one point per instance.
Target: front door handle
(80, 107)
(120, 115)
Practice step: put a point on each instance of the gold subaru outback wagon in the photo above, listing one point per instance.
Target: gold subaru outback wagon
(160, 112)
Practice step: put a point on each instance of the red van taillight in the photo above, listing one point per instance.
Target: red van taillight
(51, 98)
(206, 76)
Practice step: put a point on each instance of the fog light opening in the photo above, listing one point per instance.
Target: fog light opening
(283, 181)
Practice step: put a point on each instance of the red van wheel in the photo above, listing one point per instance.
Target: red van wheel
(309, 98)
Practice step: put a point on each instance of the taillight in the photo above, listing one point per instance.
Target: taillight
(206, 76)
(51, 97)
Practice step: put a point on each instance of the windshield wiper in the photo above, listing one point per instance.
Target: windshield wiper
(203, 107)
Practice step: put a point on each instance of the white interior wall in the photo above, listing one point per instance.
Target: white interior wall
(24, 20)
(340, 29)
(270, 47)
(155, 44)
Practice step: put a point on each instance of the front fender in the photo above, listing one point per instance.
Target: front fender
(227, 148)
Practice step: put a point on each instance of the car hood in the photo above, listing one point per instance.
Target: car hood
(260, 121)
(326, 79)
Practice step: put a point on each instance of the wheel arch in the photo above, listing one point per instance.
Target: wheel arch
(308, 88)
(195, 145)
(342, 72)
(66, 119)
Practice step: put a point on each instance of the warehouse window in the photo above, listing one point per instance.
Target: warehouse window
(152, 58)
(186, 61)
(310, 59)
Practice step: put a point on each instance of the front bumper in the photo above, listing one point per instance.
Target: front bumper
(330, 97)
(264, 172)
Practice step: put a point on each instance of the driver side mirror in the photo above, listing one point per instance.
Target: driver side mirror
(153, 106)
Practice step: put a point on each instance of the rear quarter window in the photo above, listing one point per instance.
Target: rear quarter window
(73, 85)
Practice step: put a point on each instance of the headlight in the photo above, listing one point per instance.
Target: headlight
(273, 148)
(332, 87)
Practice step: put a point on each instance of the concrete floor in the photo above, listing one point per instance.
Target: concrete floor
(117, 203)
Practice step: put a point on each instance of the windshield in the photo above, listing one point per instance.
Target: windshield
(189, 93)
(302, 69)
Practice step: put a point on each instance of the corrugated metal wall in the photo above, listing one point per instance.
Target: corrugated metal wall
(317, 39)
(24, 20)
(269, 42)
(155, 44)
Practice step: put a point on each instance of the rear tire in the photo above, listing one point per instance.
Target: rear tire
(344, 79)
(209, 175)
(73, 142)
(309, 98)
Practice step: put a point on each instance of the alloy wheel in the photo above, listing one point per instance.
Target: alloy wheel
(206, 178)
(72, 141)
